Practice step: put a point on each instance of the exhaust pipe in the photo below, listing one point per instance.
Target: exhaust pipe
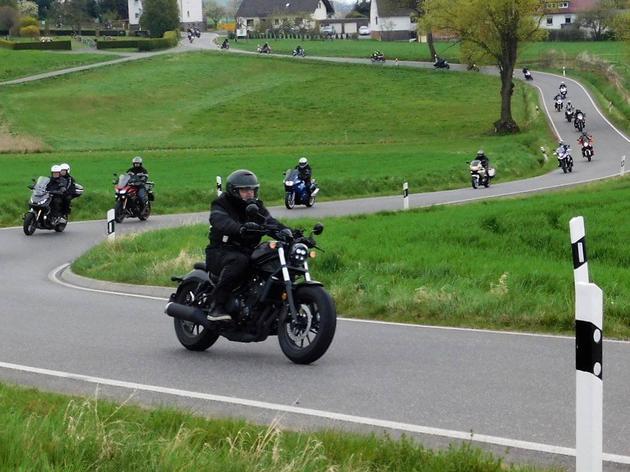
(315, 192)
(186, 313)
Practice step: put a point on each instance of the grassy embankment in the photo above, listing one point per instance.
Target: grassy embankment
(16, 64)
(501, 264)
(51, 432)
(195, 116)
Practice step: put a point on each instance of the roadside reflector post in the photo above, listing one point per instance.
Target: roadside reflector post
(623, 166)
(111, 224)
(406, 196)
(589, 309)
(544, 152)
(219, 186)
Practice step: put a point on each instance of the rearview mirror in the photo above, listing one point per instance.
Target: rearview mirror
(318, 229)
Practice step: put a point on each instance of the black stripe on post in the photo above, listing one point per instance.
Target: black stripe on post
(575, 248)
(588, 351)
(110, 226)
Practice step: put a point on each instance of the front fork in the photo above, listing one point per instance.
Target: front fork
(288, 284)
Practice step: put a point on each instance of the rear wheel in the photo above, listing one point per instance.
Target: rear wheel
(60, 227)
(289, 200)
(30, 223)
(119, 211)
(306, 339)
(192, 336)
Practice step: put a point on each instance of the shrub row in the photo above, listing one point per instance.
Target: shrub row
(125, 43)
(169, 40)
(56, 45)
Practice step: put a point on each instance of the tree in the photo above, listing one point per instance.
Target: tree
(119, 7)
(231, 7)
(160, 16)
(28, 8)
(360, 9)
(214, 11)
(423, 22)
(43, 6)
(494, 27)
(9, 19)
(621, 26)
(8, 3)
(599, 19)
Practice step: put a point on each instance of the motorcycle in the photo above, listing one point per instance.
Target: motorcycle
(197, 32)
(190, 37)
(568, 114)
(277, 298)
(472, 67)
(527, 74)
(127, 201)
(580, 121)
(40, 214)
(296, 192)
(565, 160)
(225, 45)
(377, 57)
(587, 147)
(558, 104)
(298, 52)
(441, 64)
(266, 49)
(478, 174)
(563, 91)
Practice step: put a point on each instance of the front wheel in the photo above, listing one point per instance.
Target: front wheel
(289, 200)
(146, 212)
(119, 212)
(311, 201)
(30, 223)
(474, 182)
(307, 338)
(564, 165)
(192, 336)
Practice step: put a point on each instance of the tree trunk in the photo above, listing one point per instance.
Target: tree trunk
(431, 45)
(506, 124)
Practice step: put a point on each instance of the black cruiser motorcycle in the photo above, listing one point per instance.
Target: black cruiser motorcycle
(277, 298)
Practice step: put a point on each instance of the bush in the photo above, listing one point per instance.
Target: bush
(125, 43)
(169, 40)
(28, 21)
(31, 31)
(7, 44)
(54, 45)
(572, 33)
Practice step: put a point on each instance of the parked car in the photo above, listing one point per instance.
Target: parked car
(364, 30)
(328, 29)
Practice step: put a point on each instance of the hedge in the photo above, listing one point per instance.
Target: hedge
(56, 45)
(125, 43)
(169, 40)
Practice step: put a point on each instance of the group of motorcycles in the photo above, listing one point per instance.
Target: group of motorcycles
(575, 115)
(193, 33)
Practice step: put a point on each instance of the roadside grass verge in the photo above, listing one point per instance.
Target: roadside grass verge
(45, 431)
(16, 64)
(501, 264)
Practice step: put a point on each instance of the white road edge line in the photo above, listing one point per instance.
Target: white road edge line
(53, 276)
(413, 428)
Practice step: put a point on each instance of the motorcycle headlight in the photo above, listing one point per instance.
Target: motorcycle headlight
(122, 192)
(299, 253)
(288, 183)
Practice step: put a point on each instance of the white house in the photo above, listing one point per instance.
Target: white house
(271, 13)
(190, 12)
(392, 19)
(559, 14)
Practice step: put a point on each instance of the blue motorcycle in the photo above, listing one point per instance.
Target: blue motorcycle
(296, 192)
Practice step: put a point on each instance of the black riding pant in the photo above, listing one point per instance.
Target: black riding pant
(230, 265)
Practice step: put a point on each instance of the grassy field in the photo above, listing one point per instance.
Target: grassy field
(43, 431)
(530, 53)
(360, 141)
(16, 64)
(501, 264)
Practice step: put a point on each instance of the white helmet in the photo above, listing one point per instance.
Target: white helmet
(137, 160)
(55, 168)
(303, 161)
(65, 167)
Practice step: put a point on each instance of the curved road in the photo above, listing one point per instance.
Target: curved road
(514, 392)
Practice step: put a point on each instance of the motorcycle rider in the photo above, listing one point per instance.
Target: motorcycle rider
(138, 169)
(561, 151)
(585, 140)
(305, 172)
(70, 189)
(563, 89)
(57, 187)
(485, 162)
(265, 48)
(233, 236)
(299, 51)
(225, 44)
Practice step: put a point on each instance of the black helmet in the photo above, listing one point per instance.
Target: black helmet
(241, 178)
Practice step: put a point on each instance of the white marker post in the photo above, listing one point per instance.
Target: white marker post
(544, 151)
(111, 224)
(623, 166)
(564, 71)
(406, 196)
(219, 186)
(589, 307)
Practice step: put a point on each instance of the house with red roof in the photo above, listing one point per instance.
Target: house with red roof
(563, 13)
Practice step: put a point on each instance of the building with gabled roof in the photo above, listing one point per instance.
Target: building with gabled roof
(392, 19)
(270, 13)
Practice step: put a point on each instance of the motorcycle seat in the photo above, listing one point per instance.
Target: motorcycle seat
(200, 266)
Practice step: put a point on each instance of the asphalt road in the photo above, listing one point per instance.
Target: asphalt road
(513, 391)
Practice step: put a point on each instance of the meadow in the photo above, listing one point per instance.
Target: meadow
(16, 64)
(503, 264)
(195, 116)
(43, 431)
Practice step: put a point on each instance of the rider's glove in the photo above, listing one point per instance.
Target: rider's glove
(250, 227)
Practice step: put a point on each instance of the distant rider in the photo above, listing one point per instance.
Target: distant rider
(586, 140)
(71, 188)
(305, 172)
(485, 162)
(138, 169)
(225, 44)
(233, 236)
(57, 187)
(561, 151)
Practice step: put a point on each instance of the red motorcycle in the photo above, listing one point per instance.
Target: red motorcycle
(128, 190)
(586, 141)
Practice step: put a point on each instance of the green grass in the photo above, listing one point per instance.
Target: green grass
(42, 431)
(502, 264)
(529, 53)
(360, 145)
(16, 64)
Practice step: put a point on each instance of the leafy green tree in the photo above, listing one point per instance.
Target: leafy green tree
(43, 7)
(423, 22)
(119, 7)
(160, 16)
(599, 18)
(28, 8)
(621, 26)
(494, 28)
(361, 9)
(8, 3)
(9, 18)
(214, 11)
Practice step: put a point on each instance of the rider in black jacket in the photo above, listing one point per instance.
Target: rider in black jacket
(57, 186)
(137, 168)
(305, 172)
(233, 236)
